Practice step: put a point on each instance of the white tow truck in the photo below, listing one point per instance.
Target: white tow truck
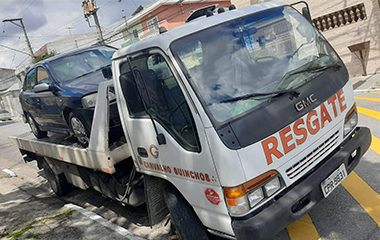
(236, 124)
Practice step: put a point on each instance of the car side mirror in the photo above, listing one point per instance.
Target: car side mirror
(107, 73)
(42, 87)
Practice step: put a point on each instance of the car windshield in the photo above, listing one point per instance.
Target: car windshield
(235, 66)
(80, 64)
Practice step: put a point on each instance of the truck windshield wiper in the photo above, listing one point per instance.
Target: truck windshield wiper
(255, 95)
(315, 69)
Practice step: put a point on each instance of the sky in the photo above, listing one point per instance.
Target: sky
(49, 20)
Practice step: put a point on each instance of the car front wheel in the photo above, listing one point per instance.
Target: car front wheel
(35, 128)
(79, 129)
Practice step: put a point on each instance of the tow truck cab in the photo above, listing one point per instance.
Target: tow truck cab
(248, 114)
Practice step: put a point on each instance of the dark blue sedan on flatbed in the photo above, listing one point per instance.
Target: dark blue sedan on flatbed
(59, 93)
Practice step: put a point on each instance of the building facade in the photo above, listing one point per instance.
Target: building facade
(147, 19)
(9, 91)
(351, 26)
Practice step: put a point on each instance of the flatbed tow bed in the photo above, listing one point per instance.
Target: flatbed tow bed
(66, 149)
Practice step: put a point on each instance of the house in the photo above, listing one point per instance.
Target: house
(147, 19)
(352, 28)
(9, 91)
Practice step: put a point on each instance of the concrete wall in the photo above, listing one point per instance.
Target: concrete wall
(7, 78)
(9, 90)
(348, 35)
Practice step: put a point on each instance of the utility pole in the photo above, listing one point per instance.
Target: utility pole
(26, 36)
(89, 9)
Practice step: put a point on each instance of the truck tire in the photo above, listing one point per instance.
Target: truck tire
(58, 183)
(186, 222)
(35, 128)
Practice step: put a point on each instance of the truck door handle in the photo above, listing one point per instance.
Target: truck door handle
(142, 152)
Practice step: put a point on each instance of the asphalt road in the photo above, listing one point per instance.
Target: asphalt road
(352, 211)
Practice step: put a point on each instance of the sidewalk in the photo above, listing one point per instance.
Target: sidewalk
(369, 83)
(27, 211)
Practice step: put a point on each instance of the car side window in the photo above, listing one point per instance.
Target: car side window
(42, 76)
(30, 80)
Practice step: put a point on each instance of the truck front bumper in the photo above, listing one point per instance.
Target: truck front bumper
(303, 195)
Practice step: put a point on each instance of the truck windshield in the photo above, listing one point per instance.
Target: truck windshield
(235, 66)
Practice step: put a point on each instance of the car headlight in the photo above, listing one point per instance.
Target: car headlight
(242, 198)
(351, 120)
(89, 101)
(111, 96)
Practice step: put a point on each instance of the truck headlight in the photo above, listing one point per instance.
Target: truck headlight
(351, 120)
(255, 197)
(242, 198)
(89, 101)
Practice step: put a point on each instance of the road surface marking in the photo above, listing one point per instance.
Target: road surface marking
(369, 112)
(303, 229)
(364, 195)
(368, 99)
(375, 145)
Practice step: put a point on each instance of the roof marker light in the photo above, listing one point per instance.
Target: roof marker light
(231, 7)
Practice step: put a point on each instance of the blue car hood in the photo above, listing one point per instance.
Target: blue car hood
(87, 83)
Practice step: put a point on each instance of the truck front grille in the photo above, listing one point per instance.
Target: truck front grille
(305, 162)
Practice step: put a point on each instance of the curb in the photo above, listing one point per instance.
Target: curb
(366, 90)
(95, 217)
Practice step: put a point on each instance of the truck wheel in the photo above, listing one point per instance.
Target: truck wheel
(35, 128)
(58, 183)
(186, 222)
(79, 129)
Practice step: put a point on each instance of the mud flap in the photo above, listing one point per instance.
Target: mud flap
(155, 201)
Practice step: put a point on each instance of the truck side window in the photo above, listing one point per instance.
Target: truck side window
(168, 104)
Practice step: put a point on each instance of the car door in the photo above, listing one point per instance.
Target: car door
(49, 111)
(28, 97)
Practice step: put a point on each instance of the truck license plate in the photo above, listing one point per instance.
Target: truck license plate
(332, 181)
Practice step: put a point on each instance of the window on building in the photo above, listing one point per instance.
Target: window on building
(153, 24)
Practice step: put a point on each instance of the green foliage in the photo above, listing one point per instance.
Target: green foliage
(45, 56)
(16, 234)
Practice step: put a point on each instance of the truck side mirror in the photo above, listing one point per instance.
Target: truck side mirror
(305, 10)
(142, 89)
(130, 92)
(107, 73)
(306, 14)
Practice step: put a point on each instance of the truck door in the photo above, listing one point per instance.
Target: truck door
(184, 159)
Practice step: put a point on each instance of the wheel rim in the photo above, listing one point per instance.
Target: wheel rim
(79, 130)
(33, 126)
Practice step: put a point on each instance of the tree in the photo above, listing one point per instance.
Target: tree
(45, 56)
